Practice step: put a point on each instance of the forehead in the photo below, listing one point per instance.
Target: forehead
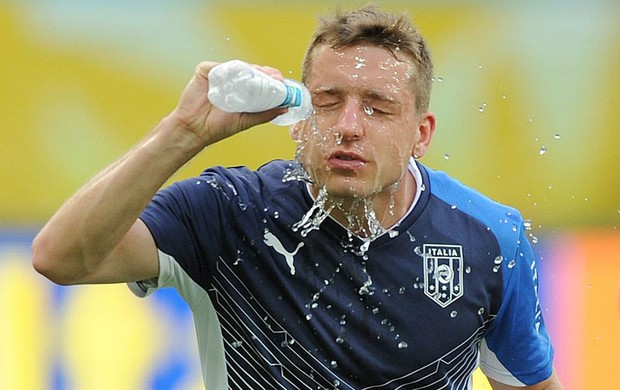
(358, 66)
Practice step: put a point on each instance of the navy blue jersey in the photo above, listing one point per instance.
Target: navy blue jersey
(451, 287)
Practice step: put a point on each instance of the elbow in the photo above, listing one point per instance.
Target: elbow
(49, 263)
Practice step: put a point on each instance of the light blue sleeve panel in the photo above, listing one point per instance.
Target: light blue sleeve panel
(517, 349)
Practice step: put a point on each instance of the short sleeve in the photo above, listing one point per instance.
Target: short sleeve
(144, 288)
(517, 349)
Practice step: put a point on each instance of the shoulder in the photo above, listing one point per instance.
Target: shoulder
(273, 172)
(504, 221)
(465, 198)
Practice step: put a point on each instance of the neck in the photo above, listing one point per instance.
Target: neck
(369, 216)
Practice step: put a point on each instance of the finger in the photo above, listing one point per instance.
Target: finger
(202, 69)
(273, 72)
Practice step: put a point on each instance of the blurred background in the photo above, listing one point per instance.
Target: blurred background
(526, 94)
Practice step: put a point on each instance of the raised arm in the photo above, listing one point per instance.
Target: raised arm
(96, 236)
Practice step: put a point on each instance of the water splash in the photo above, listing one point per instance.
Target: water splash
(315, 216)
(296, 172)
(366, 288)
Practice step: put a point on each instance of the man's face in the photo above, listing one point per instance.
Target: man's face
(362, 135)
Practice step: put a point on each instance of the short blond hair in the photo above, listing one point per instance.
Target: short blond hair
(369, 25)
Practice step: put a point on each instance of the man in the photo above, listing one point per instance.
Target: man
(352, 267)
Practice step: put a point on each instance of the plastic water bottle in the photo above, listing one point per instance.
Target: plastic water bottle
(236, 86)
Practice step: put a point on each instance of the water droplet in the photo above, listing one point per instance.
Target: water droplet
(308, 317)
(368, 110)
(237, 344)
(542, 150)
(512, 263)
(496, 268)
(446, 156)
(482, 107)
(339, 340)
(375, 310)
(333, 363)
(467, 269)
(364, 290)
(504, 96)
(557, 136)
(498, 259)
(453, 314)
(402, 345)
(453, 207)
(393, 233)
(481, 311)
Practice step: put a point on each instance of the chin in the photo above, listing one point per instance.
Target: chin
(349, 189)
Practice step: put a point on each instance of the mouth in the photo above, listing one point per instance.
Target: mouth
(347, 161)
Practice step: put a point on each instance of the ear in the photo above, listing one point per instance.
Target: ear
(426, 129)
(295, 130)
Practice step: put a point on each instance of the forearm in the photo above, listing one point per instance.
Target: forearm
(92, 222)
(91, 239)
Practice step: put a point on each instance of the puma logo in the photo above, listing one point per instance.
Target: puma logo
(273, 242)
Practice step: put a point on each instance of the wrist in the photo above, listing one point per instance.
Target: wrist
(180, 135)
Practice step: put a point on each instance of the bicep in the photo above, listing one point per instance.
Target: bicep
(134, 258)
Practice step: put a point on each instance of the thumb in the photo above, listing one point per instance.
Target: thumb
(253, 119)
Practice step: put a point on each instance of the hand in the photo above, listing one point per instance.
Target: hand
(196, 114)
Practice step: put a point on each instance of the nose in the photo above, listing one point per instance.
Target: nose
(350, 125)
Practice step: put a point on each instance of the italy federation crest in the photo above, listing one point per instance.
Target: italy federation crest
(443, 273)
